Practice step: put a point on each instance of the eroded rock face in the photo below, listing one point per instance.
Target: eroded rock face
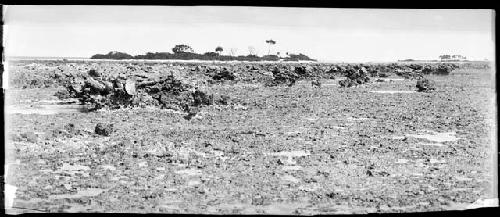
(141, 91)
(425, 85)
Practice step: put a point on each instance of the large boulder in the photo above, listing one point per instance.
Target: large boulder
(130, 88)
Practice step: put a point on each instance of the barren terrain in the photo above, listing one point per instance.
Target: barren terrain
(381, 146)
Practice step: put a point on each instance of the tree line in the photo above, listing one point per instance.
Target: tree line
(185, 52)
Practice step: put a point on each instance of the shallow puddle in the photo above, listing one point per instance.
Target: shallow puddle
(90, 192)
(290, 153)
(431, 144)
(69, 167)
(108, 167)
(402, 161)
(337, 127)
(397, 137)
(390, 79)
(393, 91)
(330, 84)
(10, 195)
(356, 119)
(291, 168)
(436, 137)
(290, 178)
(189, 172)
(194, 182)
(491, 202)
(312, 118)
(46, 109)
(291, 133)
(309, 187)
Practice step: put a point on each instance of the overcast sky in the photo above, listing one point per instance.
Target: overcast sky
(321, 33)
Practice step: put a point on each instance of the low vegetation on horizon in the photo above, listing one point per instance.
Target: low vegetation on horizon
(185, 52)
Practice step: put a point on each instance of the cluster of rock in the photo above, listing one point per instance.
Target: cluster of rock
(56, 74)
(139, 91)
(218, 73)
(288, 75)
(355, 76)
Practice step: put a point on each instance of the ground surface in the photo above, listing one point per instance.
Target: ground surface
(298, 150)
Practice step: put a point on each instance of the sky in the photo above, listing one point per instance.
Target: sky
(326, 34)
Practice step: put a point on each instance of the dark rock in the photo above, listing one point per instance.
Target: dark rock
(425, 85)
(104, 129)
(94, 73)
(201, 98)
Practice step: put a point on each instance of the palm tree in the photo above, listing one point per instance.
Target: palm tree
(270, 42)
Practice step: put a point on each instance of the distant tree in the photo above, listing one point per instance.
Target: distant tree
(270, 42)
(445, 57)
(232, 51)
(297, 57)
(270, 58)
(211, 54)
(113, 55)
(182, 48)
(251, 51)
(219, 49)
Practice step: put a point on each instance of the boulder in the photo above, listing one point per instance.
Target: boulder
(104, 129)
(130, 88)
(94, 73)
(425, 85)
